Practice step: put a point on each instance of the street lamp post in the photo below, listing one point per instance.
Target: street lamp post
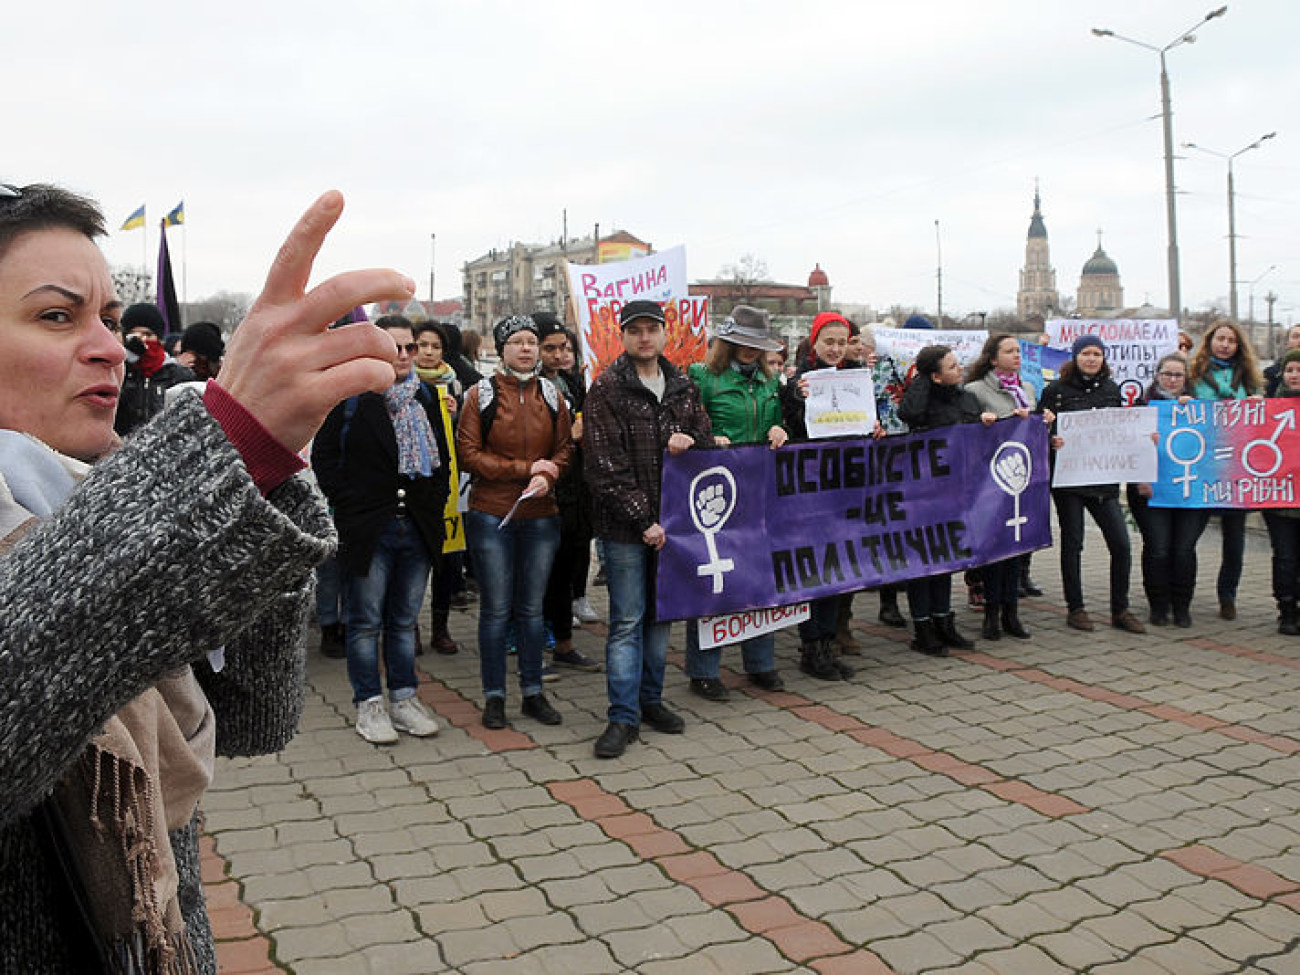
(1167, 115)
(1232, 216)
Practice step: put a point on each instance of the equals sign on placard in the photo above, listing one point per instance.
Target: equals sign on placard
(1222, 453)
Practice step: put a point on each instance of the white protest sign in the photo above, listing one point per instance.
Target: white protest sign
(902, 344)
(1108, 446)
(601, 290)
(718, 631)
(1133, 346)
(840, 403)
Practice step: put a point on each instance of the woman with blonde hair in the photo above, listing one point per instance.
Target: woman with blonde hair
(1224, 367)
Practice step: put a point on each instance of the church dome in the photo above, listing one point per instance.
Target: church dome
(818, 278)
(1100, 263)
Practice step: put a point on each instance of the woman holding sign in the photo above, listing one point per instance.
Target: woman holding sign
(1224, 367)
(1085, 384)
(1169, 535)
(994, 380)
(828, 343)
(936, 398)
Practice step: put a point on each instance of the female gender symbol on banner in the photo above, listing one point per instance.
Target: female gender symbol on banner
(713, 499)
(1010, 468)
(1186, 463)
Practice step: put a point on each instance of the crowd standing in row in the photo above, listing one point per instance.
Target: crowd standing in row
(553, 465)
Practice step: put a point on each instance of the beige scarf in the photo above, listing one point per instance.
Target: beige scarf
(140, 777)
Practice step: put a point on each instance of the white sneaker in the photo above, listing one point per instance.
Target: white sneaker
(373, 723)
(413, 717)
(583, 609)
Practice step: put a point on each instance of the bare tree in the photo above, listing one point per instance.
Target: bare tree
(225, 308)
(745, 276)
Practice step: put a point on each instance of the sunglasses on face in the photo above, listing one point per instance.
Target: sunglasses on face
(410, 348)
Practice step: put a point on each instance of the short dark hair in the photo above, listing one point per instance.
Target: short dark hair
(40, 206)
(394, 321)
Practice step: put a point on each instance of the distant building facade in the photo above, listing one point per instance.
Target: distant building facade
(1100, 293)
(1037, 297)
(525, 278)
(774, 297)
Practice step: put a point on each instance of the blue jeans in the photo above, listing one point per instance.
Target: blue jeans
(757, 654)
(1106, 512)
(387, 599)
(331, 592)
(513, 565)
(636, 650)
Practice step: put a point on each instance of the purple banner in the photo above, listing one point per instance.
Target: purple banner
(750, 528)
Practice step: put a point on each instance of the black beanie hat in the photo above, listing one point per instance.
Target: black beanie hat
(144, 315)
(205, 339)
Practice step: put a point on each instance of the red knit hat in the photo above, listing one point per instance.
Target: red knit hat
(824, 319)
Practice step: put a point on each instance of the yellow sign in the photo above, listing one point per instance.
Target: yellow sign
(453, 522)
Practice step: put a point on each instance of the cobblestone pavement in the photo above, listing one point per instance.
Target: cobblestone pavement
(1100, 803)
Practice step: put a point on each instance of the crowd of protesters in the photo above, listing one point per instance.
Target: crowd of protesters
(166, 465)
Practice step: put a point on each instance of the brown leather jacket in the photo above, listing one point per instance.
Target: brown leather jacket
(523, 431)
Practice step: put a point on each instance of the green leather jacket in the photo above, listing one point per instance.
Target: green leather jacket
(742, 410)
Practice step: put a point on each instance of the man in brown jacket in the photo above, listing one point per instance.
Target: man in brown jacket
(639, 407)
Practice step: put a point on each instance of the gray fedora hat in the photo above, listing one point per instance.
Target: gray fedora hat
(748, 326)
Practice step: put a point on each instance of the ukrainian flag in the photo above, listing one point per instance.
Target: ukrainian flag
(176, 216)
(136, 219)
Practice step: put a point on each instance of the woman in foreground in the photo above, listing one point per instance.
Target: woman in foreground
(118, 684)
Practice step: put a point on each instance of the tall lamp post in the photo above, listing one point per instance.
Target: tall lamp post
(1250, 285)
(1232, 214)
(1167, 115)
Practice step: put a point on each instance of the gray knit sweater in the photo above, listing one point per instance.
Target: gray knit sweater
(165, 552)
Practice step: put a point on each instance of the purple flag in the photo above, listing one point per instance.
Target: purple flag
(750, 527)
(167, 304)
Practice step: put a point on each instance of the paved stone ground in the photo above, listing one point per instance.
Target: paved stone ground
(1100, 803)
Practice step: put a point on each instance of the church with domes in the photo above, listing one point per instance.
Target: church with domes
(1100, 293)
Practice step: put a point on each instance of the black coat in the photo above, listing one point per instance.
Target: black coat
(1070, 396)
(928, 404)
(357, 470)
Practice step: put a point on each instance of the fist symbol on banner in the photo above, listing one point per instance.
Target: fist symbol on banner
(713, 498)
(711, 505)
(1010, 469)
(1011, 472)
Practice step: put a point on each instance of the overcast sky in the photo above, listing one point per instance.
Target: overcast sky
(831, 133)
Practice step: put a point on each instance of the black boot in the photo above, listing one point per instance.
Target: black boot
(946, 627)
(927, 639)
(1011, 624)
(816, 660)
(1286, 618)
(1027, 586)
(992, 629)
(837, 660)
(889, 614)
(1182, 613)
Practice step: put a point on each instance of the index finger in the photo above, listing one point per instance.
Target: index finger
(291, 268)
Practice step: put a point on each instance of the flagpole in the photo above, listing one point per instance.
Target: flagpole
(185, 270)
(144, 252)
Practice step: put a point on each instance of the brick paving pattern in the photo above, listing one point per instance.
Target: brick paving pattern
(1077, 803)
